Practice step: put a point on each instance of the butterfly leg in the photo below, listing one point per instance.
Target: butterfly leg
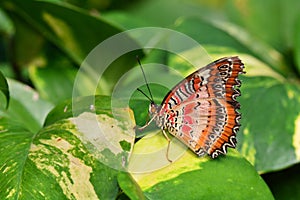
(147, 124)
(169, 142)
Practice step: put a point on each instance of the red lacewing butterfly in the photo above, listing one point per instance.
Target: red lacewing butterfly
(201, 110)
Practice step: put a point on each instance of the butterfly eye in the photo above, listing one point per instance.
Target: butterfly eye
(152, 108)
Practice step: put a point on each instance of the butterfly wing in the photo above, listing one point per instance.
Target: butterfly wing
(201, 110)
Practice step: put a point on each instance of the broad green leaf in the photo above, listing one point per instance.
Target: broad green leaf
(55, 166)
(74, 158)
(15, 143)
(191, 177)
(26, 107)
(4, 88)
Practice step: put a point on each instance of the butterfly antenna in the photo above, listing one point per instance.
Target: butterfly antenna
(145, 94)
(151, 97)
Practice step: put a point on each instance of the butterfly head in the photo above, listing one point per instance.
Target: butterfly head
(154, 109)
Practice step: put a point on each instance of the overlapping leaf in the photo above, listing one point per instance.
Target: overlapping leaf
(67, 158)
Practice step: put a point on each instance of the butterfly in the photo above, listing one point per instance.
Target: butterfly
(201, 110)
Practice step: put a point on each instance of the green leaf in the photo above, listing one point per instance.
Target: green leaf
(4, 88)
(26, 107)
(130, 187)
(14, 146)
(56, 166)
(191, 177)
(100, 125)
(55, 81)
(75, 158)
(270, 131)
